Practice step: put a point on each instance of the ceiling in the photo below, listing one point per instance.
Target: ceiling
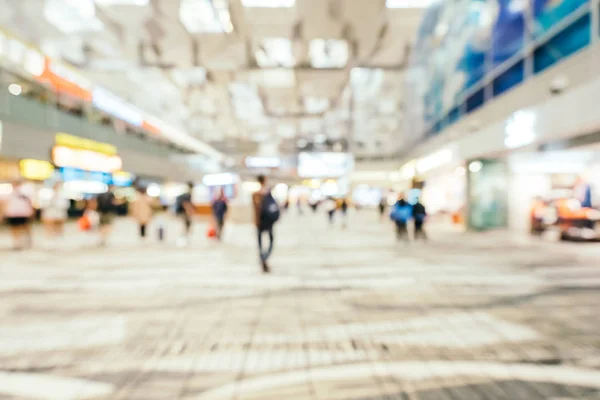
(321, 73)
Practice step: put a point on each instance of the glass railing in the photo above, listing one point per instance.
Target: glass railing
(30, 103)
(546, 37)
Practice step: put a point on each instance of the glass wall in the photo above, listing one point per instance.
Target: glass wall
(488, 194)
(469, 51)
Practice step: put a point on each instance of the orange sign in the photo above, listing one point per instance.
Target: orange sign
(66, 80)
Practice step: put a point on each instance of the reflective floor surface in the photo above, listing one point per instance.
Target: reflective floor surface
(346, 314)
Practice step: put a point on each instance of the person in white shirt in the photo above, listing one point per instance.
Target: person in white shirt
(18, 212)
(55, 212)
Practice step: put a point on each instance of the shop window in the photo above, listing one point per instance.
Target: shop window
(568, 41)
(475, 101)
(509, 78)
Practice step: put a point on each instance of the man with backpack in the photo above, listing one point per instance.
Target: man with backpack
(401, 214)
(185, 209)
(266, 214)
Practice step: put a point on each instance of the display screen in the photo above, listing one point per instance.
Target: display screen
(324, 165)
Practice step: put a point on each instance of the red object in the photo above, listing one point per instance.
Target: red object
(84, 223)
(211, 232)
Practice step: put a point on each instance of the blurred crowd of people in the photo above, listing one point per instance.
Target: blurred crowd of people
(100, 211)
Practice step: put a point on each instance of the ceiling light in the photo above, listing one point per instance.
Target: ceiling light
(15, 89)
(122, 2)
(315, 105)
(302, 143)
(475, 166)
(189, 76)
(275, 52)
(320, 138)
(72, 16)
(260, 137)
(269, 3)
(274, 78)
(409, 3)
(328, 53)
(286, 131)
(204, 16)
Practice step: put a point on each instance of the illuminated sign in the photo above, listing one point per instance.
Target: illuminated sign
(262, 162)
(520, 129)
(324, 165)
(434, 160)
(85, 160)
(122, 178)
(69, 174)
(36, 170)
(222, 179)
(9, 171)
(75, 142)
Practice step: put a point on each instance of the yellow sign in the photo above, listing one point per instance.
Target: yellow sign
(36, 170)
(75, 142)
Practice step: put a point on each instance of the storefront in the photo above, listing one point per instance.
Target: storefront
(555, 191)
(87, 167)
(439, 180)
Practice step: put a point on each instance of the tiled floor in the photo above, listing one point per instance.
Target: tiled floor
(347, 314)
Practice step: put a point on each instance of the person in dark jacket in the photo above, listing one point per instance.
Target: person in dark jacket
(219, 209)
(419, 214)
(401, 214)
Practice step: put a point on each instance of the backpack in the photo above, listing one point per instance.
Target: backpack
(401, 213)
(269, 211)
(179, 203)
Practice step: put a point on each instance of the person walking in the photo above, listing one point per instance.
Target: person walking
(344, 210)
(401, 214)
(106, 207)
(330, 207)
(219, 209)
(266, 214)
(382, 206)
(186, 210)
(420, 215)
(18, 212)
(55, 213)
(142, 210)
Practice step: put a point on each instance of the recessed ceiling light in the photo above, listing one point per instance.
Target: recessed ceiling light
(328, 53)
(315, 105)
(72, 16)
(320, 138)
(15, 89)
(275, 52)
(204, 16)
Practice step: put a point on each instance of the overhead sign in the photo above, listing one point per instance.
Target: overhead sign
(85, 159)
(263, 162)
(324, 165)
(36, 170)
(76, 142)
